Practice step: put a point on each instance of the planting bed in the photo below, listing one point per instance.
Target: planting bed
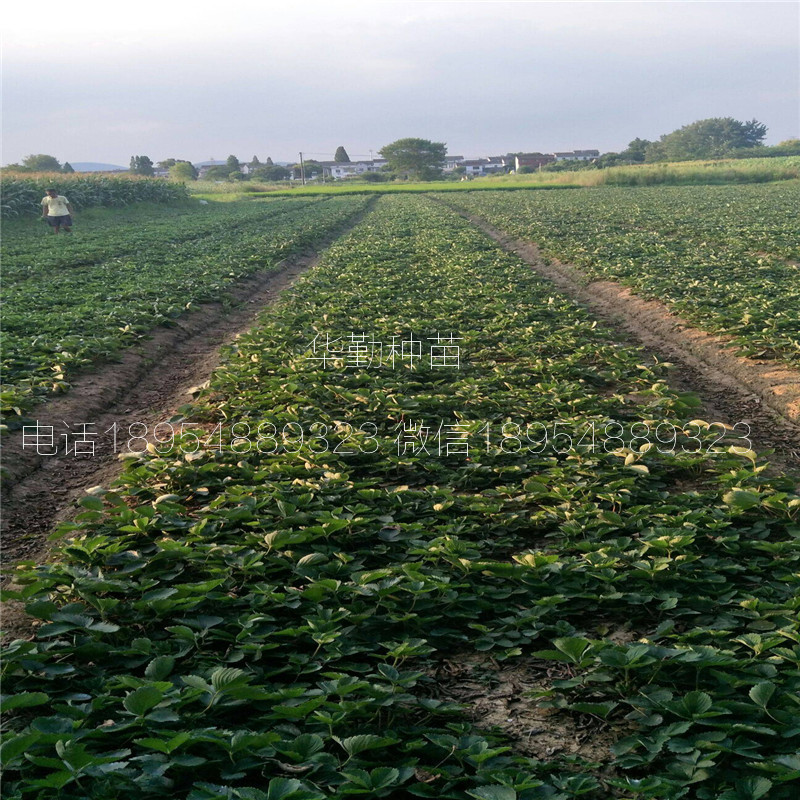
(724, 257)
(303, 590)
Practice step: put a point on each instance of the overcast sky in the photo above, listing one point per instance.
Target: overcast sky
(100, 81)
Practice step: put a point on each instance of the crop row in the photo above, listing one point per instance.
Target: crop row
(135, 230)
(22, 195)
(271, 622)
(54, 325)
(720, 256)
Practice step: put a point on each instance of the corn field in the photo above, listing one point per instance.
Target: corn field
(21, 194)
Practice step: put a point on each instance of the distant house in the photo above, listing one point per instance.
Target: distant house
(451, 162)
(577, 155)
(474, 167)
(532, 160)
(338, 170)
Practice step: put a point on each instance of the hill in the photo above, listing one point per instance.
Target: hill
(94, 166)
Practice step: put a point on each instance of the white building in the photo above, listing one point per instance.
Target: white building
(483, 166)
(348, 169)
(451, 162)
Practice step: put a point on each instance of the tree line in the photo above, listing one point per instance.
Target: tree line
(422, 159)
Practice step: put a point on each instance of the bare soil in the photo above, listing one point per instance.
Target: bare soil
(500, 695)
(763, 394)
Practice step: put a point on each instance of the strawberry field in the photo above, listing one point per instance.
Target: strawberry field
(83, 298)
(724, 257)
(422, 471)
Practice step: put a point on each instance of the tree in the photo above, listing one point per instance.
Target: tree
(254, 164)
(182, 171)
(67, 168)
(41, 163)
(716, 137)
(233, 165)
(420, 158)
(609, 160)
(374, 177)
(341, 156)
(219, 172)
(635, 151)
(310, 167)
(167, 163)
(270, 173)
(141, 165)
(269, 162)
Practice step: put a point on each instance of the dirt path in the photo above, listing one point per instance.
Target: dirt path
(146, 386)
(763, 394)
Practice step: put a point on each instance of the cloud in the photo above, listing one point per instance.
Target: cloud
(167, 79)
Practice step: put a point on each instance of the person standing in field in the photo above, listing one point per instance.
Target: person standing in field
(57, 210)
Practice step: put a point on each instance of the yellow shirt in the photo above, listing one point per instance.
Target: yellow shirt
(56, 206)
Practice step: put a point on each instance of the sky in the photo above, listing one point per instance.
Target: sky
(101, 81)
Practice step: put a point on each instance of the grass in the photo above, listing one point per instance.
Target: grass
(750, 170)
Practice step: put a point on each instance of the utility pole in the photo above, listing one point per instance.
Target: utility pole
(302, 170)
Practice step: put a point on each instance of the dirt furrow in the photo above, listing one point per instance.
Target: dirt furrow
(763, 394)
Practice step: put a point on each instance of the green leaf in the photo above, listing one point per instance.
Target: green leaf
(697, 703)
(291, 789)
(305, 746)
(15, 746)
(598, 709)
(381, 777)
(761, 693)
(493, 793)
(741, 499)
(92, 503)
(227, 676)
(573, 647)
(22, 700)
(354, 745)
(159, 668)
(140, 701)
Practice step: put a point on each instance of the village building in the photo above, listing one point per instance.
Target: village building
(451, 162)
(577, 155)
(339, 170)
(474, 167)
